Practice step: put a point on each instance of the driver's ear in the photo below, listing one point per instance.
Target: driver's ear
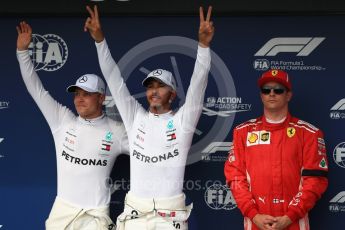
(101, 98)
(289, 94)
(173, 95)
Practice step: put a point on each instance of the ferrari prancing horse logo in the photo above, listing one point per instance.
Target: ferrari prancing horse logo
(290, 131)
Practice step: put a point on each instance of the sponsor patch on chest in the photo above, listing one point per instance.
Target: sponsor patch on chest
(107, 143)
(258, 138)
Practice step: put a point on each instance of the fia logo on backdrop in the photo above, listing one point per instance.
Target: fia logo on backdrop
(48, 52)
(338, 110)
(339, 154)
(337, 203)
(219, 197)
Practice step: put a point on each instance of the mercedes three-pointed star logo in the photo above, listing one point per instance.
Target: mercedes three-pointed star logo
(156, 73)
(83, 79)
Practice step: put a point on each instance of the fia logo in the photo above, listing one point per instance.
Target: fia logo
(218, 196)
(211, 100)
(339, 154)
(48, 52)
(261, 64)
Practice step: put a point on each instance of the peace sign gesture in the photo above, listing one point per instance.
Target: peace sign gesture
(206, 29)
(93, 25)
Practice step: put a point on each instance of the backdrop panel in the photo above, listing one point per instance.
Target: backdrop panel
(311, 49)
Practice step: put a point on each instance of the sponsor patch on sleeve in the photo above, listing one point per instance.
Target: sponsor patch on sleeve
(323, 163)
(231, 156)
(321, 146)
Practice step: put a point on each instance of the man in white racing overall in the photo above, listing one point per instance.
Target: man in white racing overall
(86, 146)
(159, 139)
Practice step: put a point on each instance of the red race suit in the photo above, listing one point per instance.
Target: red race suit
(277, 169)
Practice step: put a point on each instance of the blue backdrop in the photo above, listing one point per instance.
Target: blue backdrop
(311, 49)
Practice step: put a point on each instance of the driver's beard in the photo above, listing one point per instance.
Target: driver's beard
(157, 107)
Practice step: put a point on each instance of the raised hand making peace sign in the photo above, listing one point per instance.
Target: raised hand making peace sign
(93, 25)
(206, 29)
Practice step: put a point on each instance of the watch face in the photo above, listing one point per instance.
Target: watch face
(177, 55)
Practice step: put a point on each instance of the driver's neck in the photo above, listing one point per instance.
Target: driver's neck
(160, 109)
